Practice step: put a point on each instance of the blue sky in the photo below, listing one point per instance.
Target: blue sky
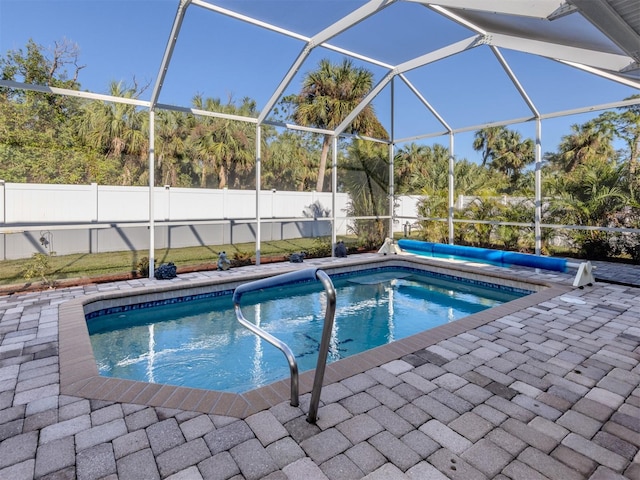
(220, 57)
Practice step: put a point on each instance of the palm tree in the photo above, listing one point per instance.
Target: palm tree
(421, 168)
(366, 178)
(587, 141)
(471, 179)
(434, 206)
(172, 148)
(427, 170)
(627, 126)
(517, 237)
(487, 141)
(290, 162)
(590, 196)
(513, 155)
(328, 95)
(485, 208)
(224, 146)
(118, 131)
(504, 150)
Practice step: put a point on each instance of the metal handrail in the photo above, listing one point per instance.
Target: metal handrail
(284, 279)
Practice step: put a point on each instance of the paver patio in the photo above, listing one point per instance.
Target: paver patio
(550, 391)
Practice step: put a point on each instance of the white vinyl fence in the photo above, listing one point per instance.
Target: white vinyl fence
(94, 218)
(38, 204)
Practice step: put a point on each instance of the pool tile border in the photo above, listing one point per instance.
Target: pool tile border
(93, 315)
(79, 374)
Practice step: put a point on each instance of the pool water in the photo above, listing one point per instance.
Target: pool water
(200, 343)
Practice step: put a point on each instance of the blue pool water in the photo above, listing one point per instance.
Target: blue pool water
(197, 342)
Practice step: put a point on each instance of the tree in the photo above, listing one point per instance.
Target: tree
(34, 66)
(421, 168)
(225, 147)
(588, 141)
(504, 151)
(514, 155)
(487, 141)
(625, 124)
(328, 95)
(38, 141)
(518, 237)
(173, 152)
(290, 162)
(436, 207)
(426, 169)
(591, 184)
(590, 196)
(120, 132)
(471, 179)
(366, 178)
(484, 208)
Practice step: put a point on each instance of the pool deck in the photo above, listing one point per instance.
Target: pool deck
(540, 390)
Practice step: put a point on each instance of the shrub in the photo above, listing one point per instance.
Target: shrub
(594, 245)
(370, 233)
(39, 267)
(631, 246)
(143, 267)
(241, 259)
(434, 230)
(321, 248)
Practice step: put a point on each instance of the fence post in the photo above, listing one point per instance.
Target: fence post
(3, 219)
(3, 199)
(224, 202)
(96, 202)
(167, 212)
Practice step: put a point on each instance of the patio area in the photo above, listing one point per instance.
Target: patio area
(542, 391)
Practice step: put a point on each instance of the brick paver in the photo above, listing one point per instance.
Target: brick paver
(546, 391)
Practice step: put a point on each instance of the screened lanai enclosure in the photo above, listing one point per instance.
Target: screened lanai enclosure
(461, 121)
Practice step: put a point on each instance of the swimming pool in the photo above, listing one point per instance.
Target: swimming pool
(200, 344)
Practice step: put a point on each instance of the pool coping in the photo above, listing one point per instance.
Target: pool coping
(79, 374)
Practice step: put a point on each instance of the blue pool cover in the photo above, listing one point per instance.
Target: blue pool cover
(499, 257)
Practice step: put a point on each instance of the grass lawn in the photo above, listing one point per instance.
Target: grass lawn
(88, 265)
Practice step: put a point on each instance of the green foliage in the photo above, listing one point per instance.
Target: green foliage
(366, 177)
(436, 207)
(514, 237)
(224, 148)
(39, 266)
(143, 267)
(46, 138)
(486, 209)
(593, 245)
(321, 248)
(631, 246)
(504, 151)
(371, 234)
(421, 169)
(328, 95)
(292, 161)
(589, 195)
(241, 258)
